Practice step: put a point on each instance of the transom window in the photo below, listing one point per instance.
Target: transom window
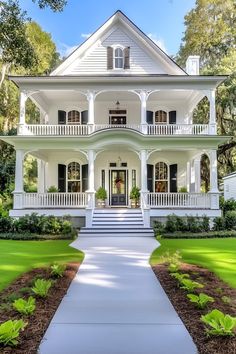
(73, 177)
(161, 177)
(160, 117)
(73, 117)
(118, 58)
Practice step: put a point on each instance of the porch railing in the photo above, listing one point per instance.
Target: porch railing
(179, 200)
(54, 200)
(86, 129)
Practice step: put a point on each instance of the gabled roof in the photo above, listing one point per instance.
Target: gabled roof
(120, 18)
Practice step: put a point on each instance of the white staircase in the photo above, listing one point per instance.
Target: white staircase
(117, 222)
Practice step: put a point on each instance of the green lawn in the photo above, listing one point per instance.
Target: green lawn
(17, 257)
(218, 255)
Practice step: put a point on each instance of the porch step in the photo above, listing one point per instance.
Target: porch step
(117, 223)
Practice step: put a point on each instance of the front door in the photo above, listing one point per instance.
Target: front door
(118, 187)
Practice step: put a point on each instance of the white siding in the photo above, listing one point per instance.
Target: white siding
(95, 59)
(230, 187)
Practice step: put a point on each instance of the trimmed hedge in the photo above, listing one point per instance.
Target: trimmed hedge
(209, 234)
(29, 236)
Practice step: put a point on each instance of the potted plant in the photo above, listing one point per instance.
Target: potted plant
(183, 190)
(101, 196)
(134, 196)
(52, 189)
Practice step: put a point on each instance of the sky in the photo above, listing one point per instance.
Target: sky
(162, 20)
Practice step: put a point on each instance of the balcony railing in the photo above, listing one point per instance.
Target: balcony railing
(179, 200)
(54, 200)
(84, 130)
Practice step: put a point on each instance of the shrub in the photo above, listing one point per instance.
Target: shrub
(158, 227)
(66, 227)
(193, 224)
(171, 224)
(52, 189)
(10, 331)
(230, 220)
(205, 223)
(6, 224)
(190, 285)
(25, 307)
(28, 223)
(227, 205)
(219, 223)
(200, 300)
(57, 270)
(169, 258)
(101, 193)
(135, 193)
(219, 323)
(41, 287)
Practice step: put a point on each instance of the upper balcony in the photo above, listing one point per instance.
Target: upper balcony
(85, 129)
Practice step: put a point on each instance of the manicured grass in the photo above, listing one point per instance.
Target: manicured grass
(218, 255)
(17, 257)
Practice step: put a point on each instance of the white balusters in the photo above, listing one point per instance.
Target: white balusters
(52, 200)
(179, 200)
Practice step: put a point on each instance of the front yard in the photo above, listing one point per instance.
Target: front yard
(218, 255)
(17, 257)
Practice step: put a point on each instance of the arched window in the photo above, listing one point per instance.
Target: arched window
(160, 117)
(73, 117)
(118, 59)
(161, 177)
(73, 177)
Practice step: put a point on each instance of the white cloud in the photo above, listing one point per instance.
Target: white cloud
(65, 49)
(85, 35)
(159, 41)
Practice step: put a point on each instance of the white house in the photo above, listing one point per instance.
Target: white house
(117, 113)
(229, 183)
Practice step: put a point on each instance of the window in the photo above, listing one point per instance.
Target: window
(118, 59)
(73, 177)
(161, 177)
(160, 117)
(73, 117)
(133, 178)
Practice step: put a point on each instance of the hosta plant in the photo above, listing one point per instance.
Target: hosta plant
(200, 300)
(180, 276)
(57, 270)
(10, 331)
(41, 287)
(190, 285)
(25, 307)
(219, 324)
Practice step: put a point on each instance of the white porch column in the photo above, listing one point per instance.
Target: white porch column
(23, 98)
(143, 170)
(91, 170)
(197, 174)
(91, 190)
(188, 176)
(91, 99)
(212, 121)
(213, 171)
(41, 176)
(19, 181)
(143, 98)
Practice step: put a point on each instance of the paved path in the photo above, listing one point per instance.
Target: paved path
(115, 305)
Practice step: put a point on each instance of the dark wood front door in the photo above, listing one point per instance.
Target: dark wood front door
(118, 187)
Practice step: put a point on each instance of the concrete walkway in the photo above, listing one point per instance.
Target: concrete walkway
(115, 305)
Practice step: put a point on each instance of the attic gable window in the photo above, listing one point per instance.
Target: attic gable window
(118, 58)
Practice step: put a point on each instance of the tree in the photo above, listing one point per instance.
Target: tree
(211, 33)
(55, 5)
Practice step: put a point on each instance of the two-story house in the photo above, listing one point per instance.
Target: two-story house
(117, 113)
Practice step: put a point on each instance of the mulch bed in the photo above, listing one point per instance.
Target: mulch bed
(190, 316)
(38, 322)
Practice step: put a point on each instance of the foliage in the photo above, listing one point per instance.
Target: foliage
(25, 307)
(57, 270)
(135, 193)
(158, 227)
(190, 285)
(10, 331)
(193, 224)
(183, 190)
(101, 193)
(230, 220)
(200, 235)
(52, 189)
(180, 276)
(200, 300)
(41, 287)
(227, 205)
(219, 323)
(171, 257)
(219, 223)
(173, 267)
(55, 5)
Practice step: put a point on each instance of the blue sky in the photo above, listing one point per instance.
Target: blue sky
(163, 20)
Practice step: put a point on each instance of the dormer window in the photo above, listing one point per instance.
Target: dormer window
(118, 58)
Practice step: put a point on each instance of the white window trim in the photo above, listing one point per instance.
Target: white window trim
(114, 47)
(69, 180)
(168, 177)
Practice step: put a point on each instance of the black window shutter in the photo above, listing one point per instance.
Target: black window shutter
(84, 177)
(84, 117)
(149, 117)
(61, 117)
(173, 178)
(109, 58)
(172, 117)
(150, 178)
(62, 178)
(127, 58)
